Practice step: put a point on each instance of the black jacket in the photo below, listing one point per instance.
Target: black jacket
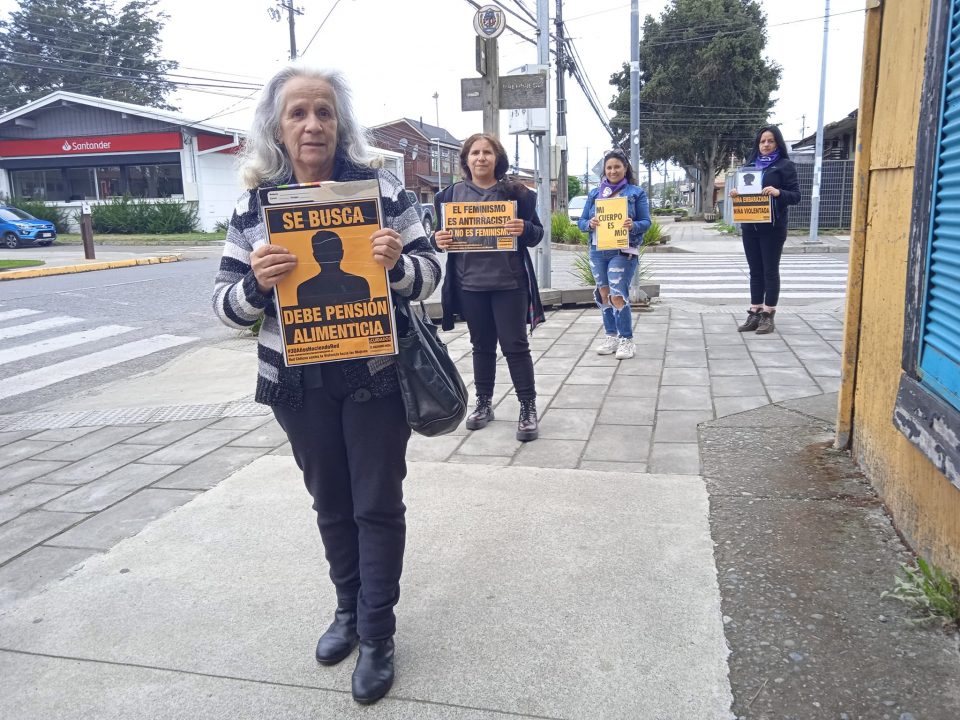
(783, 176)
(530, 237)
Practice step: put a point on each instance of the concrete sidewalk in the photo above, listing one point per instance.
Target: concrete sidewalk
(680, 543)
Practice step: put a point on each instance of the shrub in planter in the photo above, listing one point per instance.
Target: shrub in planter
(127, 216)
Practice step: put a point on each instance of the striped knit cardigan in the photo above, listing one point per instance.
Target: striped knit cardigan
(239, 303)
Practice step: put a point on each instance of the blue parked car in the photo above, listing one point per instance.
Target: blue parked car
(20, 228)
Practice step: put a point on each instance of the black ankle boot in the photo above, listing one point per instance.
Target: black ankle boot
(528, 428)
(766, 325)
(373, 676)
(482, 415)
(340, 638)
(751, 323)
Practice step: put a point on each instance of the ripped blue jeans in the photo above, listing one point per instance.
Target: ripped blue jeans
(614, 269)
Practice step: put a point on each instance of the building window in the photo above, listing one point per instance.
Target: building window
(446, 161)
(433, 159)
(928, 400)
(155, 181)
(81, 184)
(39, 184)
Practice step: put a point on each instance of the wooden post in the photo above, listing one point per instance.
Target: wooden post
(86, 232)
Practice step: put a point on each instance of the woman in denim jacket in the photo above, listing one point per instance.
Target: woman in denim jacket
(614, 269)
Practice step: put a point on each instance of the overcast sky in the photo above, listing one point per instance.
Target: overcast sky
(397, 55)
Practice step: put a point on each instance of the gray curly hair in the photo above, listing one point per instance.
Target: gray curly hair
(263, 160)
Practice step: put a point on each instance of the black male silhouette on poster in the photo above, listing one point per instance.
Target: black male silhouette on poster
(331, 283)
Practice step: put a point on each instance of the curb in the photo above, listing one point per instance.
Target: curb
(67, 269)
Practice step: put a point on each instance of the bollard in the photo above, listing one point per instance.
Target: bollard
(86, 231)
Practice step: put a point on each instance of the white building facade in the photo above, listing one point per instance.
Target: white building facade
(66, 149)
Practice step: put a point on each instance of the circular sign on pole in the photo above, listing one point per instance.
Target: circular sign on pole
(490, 21)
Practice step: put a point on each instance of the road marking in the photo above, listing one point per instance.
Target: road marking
(11, 314)
(46, 376)
(21, 352)
(38, 326)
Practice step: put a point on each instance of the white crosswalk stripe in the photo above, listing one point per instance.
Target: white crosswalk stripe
(35, 327)
(61, 342)
(807, 277)
(13, 314)
(98, 344)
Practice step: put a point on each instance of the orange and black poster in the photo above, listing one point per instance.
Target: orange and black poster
(754, 208)
(336, 303)
(479, 225)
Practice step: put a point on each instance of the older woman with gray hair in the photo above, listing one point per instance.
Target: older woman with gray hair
(345, 420)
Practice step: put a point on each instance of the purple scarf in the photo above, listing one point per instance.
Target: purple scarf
(606, 189)
(765, 161)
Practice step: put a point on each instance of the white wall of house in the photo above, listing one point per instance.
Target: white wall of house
(219, 188)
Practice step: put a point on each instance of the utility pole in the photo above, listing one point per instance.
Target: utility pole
(490, 91)
(544, 271)
(561, 113)
(292, 12)
(803, 126)
(818, 157)
(634, 85)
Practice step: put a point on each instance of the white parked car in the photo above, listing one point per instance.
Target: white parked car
(575, 207)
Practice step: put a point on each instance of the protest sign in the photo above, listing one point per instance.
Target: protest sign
(479, 225)
(336, 304)
(611, 234)
(752, 209)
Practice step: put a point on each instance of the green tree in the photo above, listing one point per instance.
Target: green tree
(574, 187)
(706, 85)
(620, 123)
(84, 46)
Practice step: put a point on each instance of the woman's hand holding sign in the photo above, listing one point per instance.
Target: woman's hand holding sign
(443, 238)
(770, 190)
(513, 227)
(270, 264)
(386, 246)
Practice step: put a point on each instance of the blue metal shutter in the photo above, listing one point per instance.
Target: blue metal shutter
(939, 365)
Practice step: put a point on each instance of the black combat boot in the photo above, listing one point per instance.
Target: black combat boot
(527, 427)
(752, 322)
(766, 325)
(482, 415)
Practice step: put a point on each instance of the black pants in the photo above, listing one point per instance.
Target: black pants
(499, 315)
(763, 246)
(352, 454)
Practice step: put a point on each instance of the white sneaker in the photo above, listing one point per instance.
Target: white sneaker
(625, 349)
(608, 346)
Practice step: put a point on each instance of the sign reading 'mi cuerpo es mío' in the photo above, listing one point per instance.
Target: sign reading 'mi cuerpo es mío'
(336, 304)
(611, 214)
(479, 225)
(751, 205)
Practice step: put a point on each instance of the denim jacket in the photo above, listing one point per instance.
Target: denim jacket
(637, 207)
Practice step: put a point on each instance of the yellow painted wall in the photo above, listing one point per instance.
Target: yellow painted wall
(924, 504)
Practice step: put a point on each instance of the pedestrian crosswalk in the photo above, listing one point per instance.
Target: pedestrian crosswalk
(42, 349)
(718, 277)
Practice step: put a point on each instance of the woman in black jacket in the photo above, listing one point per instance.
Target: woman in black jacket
(495, 292)
(763, 242)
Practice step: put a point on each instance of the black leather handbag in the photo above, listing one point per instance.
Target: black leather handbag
(433, 392)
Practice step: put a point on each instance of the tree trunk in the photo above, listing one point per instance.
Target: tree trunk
(708, 161)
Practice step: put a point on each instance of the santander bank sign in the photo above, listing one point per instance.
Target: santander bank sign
(92, 145)
(86, 145)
